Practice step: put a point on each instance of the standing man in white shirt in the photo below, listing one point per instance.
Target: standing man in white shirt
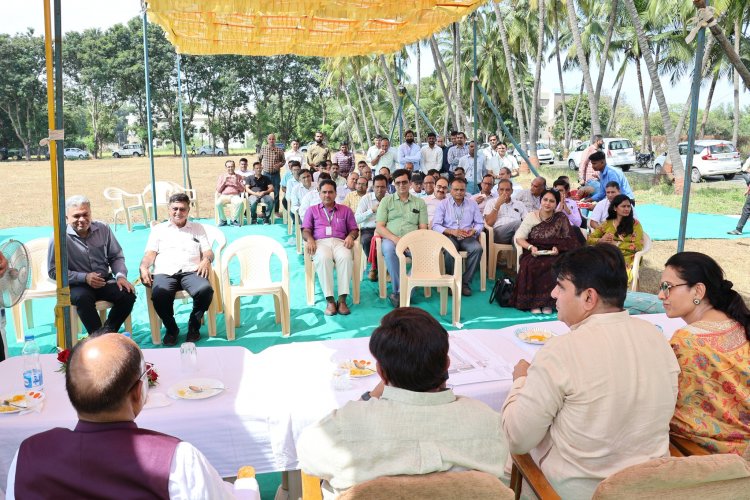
(506, 160)
(409, 152)
(366, 213)
(600, 398)
(491, 156)
(431, 155)
(181, 255)
(385, 157)
(294, 154)
(372, 151)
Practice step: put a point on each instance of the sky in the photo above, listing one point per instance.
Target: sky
(78, 15)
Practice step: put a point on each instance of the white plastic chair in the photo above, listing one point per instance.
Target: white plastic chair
(635, 271)
(164, 190)
(191, 193)
(426, 248)
(127, 204)
(218, 241)
(101, 306)
(41, 285)
(243, 213)
(495, 249)
(254, 254)
(356, 274)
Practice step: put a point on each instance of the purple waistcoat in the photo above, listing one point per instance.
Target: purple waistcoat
(96, 460)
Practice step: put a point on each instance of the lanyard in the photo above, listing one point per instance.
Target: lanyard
(329, 218)
(459, 215)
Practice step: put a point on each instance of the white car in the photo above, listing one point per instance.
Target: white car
(543, 152)
(75, 154)
(710, 157)
(619, 152)
(134, 150)
(208, 150)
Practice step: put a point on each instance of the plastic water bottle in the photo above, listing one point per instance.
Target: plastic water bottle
(33, 379)
(246, 486)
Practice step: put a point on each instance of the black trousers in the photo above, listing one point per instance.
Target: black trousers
(166, 286)
(366, 234)
(84, 298)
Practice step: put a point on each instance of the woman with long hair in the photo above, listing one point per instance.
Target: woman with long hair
(543, 235)
(713, 402)
(621, 229)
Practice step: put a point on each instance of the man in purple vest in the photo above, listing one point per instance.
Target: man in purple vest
(107, 455)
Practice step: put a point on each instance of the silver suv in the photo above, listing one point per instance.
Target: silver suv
(128, 150)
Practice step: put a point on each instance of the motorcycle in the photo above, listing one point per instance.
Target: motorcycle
(645, 160)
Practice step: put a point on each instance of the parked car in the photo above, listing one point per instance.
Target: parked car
(303, 149)
(543, 152)
(208, 150)
(710, 157)
(619, 152)
(75, 154)
(128, 150)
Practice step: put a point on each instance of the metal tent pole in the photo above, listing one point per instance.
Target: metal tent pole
(696, 84)
(421, 113)
(183, 150)
(474, 99)
(57, 172)
(148, 113)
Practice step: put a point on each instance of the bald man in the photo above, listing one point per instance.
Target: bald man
(107, 384)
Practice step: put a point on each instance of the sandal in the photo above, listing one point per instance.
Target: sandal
(547, 310)
(536, 311)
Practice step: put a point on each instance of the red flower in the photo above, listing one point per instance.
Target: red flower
(708, 407)
(728, 387)
(152, 375)
(63, 356)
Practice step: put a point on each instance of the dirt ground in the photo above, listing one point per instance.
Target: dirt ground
(26, 199)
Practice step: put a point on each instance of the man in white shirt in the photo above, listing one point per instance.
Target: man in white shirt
(532, 197)
(601, 397)
(432, 201)
(372, 151)
(431, 155)
(485, 193)
(300, 190)
(335, 177)
(504, 214)
(244, 171)
(349, 186)
(599, 214)
(409, 152)
(181, 255)
(411, 423)
(366, 213)
(294, 154)
(385, 157)
(506, 160)
(312, 197)
(491, 156)
(107, 384)
(467, 163)
(290, 181)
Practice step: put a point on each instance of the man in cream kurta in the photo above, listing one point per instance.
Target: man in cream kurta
(600, 398)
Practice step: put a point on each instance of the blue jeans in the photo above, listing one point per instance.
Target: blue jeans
(391, 263)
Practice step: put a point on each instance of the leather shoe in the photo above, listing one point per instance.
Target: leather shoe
(466, 291)
(331, 309)
(343, 308)
(373, 275)
(170, 339)
(222, 223)
(735, 232)
(193, 336)
(395, 299)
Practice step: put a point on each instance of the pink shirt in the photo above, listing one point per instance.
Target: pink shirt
(340, 220)
(230, 185)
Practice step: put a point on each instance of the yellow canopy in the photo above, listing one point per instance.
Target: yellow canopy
(326, 28)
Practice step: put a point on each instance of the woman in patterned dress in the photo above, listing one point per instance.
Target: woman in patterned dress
(713, 402)
(620, 229)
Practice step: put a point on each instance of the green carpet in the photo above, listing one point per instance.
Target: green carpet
(663, 223)
(258, 329)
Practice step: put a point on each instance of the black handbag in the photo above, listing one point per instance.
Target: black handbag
(503, 291)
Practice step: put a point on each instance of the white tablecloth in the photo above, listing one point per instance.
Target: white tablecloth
(231, 429)
(272, 396)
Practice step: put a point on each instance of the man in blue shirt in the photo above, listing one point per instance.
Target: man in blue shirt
(608, 174)
(459, 218)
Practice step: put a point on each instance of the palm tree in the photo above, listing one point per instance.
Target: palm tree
(726, 46)
(583, 62)
(534, 132)
(674, 154)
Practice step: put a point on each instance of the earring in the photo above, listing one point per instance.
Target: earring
(696, 301)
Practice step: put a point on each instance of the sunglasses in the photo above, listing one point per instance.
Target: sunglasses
(665, 286)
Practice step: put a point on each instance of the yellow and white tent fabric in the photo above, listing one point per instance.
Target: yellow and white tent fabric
(325, 28)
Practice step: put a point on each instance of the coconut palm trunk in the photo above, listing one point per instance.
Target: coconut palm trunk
(443, 88)
(605, 51)
(534, 129)
(419, 88)
(732, 56)
(362, 115)
(556, 34)
(391, 85)
(462, 119)
(646, 134)
(596, 127)
(648, 57)
(709, 98)
(612, 121)
(736, 82)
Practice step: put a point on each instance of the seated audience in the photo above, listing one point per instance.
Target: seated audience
(330, 231)
(106, 454)
(620, 229)
(290, 181)
(532, 197)
(567, 206)
(505, 174)
(504, 213)
(432, 202)
(713, 353)
(353, 198)
(398, 215)
(96, 267)
(458, 218)
(366, 214)
(181, 255)
(259, 189)
(335, 177)
(416, 186)
(411, 423)
(229, 189)
(349, 186)
(598, 399)
(385, 172)
(300, 191)
(485, 193)
(428, 186)
(601, 209)
(543, 235)
(313, 197)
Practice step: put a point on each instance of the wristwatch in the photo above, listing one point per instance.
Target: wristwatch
(366, 396)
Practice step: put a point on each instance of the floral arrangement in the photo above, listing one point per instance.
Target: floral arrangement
(63, 356)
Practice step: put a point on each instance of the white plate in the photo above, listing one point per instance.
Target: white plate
(544, 252)
(211, 387)
(30, 399)
(533, 335)
(156, 400)
(356, 372)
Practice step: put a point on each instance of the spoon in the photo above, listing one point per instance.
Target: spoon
(8, 403)
(198, 389)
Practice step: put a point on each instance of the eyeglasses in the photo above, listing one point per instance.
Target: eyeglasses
(400, 183)
(178, 209)
(665, 287)
(149, 368)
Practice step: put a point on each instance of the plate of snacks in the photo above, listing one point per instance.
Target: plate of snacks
(533, 335)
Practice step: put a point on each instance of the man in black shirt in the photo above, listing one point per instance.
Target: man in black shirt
(259, 188)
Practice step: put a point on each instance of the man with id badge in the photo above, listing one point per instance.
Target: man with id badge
(329, 231)
(181, 255)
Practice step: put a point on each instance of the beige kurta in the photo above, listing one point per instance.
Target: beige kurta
(403, 432)
(594, 402)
